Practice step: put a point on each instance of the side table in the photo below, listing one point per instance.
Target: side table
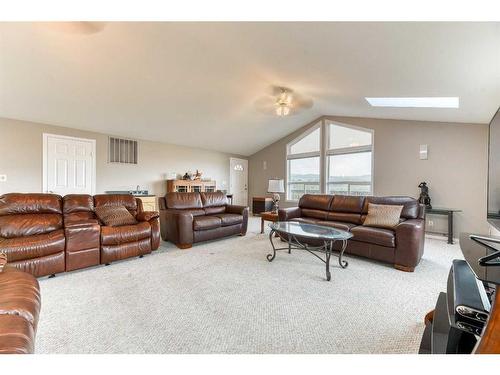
(267, 216)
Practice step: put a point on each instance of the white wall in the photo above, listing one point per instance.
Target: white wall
(21, 160)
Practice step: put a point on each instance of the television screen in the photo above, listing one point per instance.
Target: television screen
(494, 172)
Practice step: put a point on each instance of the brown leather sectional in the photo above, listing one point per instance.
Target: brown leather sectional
(45, 234)
(187, 218)
(403, 246)
(20, 304)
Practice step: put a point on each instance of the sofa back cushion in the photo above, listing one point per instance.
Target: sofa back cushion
(29, 214)
(213, 199)
(115, 200)
(183, 201)
(315, 202)
(346, 208)
(12, 226)
(410, 205)
(19, 203)
(78, 207)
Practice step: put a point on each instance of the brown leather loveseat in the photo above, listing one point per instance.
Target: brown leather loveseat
(45, 234)
(187, 218)
(402, 246)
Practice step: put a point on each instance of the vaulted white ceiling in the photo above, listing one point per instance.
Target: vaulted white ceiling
(196, 83)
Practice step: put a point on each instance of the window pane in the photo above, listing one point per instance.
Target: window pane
(341, 137)
(310, 143)
(303, 177)
(350, 174)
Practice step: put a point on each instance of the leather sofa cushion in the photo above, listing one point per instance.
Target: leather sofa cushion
(377, 236)
(18, 203)
(77, 203)
(29, 224)
(125, 234)
(212, 199)
(316, 214)
(22, 248)
(115, 216)
(337, 224)
(115, 200)
(17, 335)
(316, 201)
(345, 217)
(410, 205)
(206, 222)
(20, 295)
(230, 219)
(182, 201)
(215, 210)
(347, 203)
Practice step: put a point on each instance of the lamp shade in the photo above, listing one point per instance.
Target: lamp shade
(276, 186)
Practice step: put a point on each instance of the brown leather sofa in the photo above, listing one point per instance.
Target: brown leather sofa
(20, 304)
(403, 247)
(32, 232)
(45, 234)
(187, 218)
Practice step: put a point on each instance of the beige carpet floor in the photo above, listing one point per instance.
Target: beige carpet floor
(225, 297)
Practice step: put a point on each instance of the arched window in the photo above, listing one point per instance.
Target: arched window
(330, 158)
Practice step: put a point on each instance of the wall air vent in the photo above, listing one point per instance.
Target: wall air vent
(122, 151)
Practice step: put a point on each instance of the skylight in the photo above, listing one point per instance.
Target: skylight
(422, 102)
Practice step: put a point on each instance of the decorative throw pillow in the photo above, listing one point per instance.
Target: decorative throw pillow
(383, 215)
(115, 216)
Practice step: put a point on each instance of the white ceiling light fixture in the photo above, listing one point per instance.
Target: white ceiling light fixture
(415, 102)
(283, 103)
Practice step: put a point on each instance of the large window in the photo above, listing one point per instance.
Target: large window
(341, 165)
(303, 160)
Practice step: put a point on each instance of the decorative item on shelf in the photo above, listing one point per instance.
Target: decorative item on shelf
(276, 186)
(197, 175)
(424, 195)
(187, 176)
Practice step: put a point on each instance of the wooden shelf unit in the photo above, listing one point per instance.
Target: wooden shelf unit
(190, 186)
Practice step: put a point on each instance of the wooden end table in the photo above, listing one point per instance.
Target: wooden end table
(267, 216)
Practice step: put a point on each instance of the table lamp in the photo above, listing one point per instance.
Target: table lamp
(275, 187)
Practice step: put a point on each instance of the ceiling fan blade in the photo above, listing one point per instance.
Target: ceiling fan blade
(77, 27)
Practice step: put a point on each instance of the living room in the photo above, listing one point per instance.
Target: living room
(257, 187)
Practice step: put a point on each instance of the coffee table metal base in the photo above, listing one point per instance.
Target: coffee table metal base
(294, 243)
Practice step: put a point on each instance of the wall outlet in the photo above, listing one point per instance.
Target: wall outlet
(264, 165)
(3, 178)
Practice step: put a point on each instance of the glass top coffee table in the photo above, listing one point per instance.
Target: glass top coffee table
(296, 234)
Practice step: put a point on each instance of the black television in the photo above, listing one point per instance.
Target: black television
(493, 211)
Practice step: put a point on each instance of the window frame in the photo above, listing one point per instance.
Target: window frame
(325, 151)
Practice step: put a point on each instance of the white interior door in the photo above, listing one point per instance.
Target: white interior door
(68, 165)
(238, 181)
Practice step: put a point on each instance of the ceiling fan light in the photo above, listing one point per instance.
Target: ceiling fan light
(282, 110)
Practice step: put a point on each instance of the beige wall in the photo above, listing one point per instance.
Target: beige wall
(21, 160)
(456, 169)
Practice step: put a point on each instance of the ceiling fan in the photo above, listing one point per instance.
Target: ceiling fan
(282, 101)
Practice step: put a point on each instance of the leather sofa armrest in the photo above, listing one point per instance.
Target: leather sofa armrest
(147, 215)
(234, 209)
(410, 238)
(240, 210)
(285, 214)
(80, 223)
(177, 226)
